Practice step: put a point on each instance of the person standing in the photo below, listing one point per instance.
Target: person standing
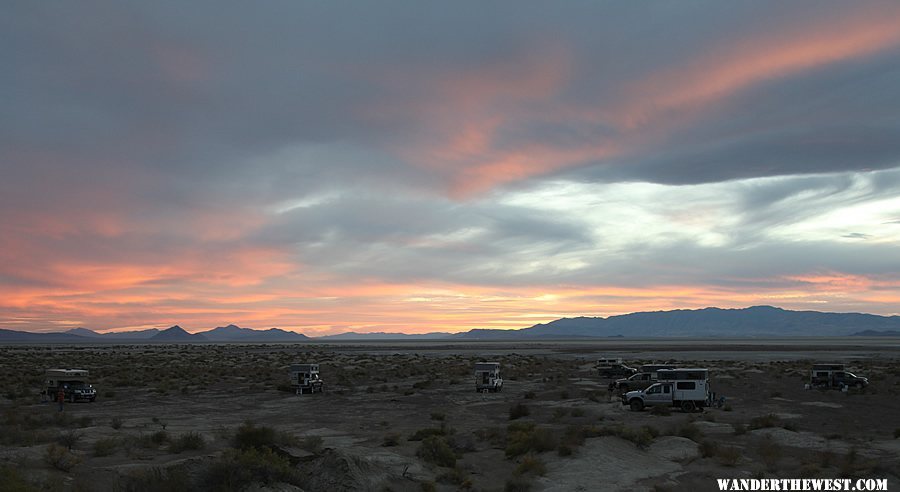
(61, 397)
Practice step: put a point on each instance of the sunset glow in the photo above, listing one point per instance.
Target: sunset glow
(326, 172)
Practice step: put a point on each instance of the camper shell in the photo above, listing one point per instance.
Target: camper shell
(487, 377)
(835, 376)
(305, 378)
(687, 389)
(74, 383)
(609, 368)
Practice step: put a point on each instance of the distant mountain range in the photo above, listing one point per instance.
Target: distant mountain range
(352, 335)
(756, 321)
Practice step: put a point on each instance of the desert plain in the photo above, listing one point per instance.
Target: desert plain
(405, 416)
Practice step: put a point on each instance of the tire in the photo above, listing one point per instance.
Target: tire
(688, 406)
(636, 405)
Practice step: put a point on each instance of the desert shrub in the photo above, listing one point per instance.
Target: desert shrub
(577, 412)
(559, 413)
(770, 452)
(422, 384)
(249, 436)
(517, 483)
(564, 395)
(708, 449)
(238, 468)
(791, 426)
(494, 435)
(642, 438)
(524, 438)
(159, 437)
(428, 486)
(191, 440)
(739, 429)
(456, 476)
(727, 407)
(689, 431)
(105, 447)
(156, 479)
(12, 481)
(437, 416)
(421, 434)
(529, 395)
(728, 455)
(518, 411)
(313, 444)
(391, 440)
(764, 421)
(69, 438)
(434, 449)
(116, 423)
(60, 458)
(897, 433)
(573, 436)
(531, 465)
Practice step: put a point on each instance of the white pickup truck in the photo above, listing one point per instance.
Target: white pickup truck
(687, 389)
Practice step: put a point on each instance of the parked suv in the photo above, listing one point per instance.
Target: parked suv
(617, 370)
(636, 382)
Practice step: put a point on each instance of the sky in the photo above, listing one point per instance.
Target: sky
(409, 166)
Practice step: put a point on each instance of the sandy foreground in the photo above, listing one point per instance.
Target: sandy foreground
(370, 429)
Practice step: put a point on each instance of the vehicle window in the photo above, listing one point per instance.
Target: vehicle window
(653, 390)
(686, 385)
(667, 388)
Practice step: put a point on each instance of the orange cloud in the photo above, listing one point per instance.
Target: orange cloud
(768, 56)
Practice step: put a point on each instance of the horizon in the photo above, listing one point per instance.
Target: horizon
(237, 325)
(344, 168)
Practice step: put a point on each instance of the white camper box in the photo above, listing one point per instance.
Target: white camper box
(305, 378)
(487, 377)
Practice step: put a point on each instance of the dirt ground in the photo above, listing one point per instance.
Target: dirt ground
(406, 417)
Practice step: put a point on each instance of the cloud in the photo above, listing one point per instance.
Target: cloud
(411, 166)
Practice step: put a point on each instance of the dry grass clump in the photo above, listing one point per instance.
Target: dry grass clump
(106, 446)
(531, 465)
(189, 441)
(524, 437)
(435, 449)
(765, 421)
(238, 468)
(60, 458)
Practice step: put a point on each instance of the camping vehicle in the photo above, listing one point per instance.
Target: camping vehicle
(614, 368)
(687, 389)
(305, 378)
(487, 377)
(640, 380)
(835, 376)
(74, 383)
(643, 379)
(652, 368)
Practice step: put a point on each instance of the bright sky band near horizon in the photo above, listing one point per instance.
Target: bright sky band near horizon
(409, 166)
